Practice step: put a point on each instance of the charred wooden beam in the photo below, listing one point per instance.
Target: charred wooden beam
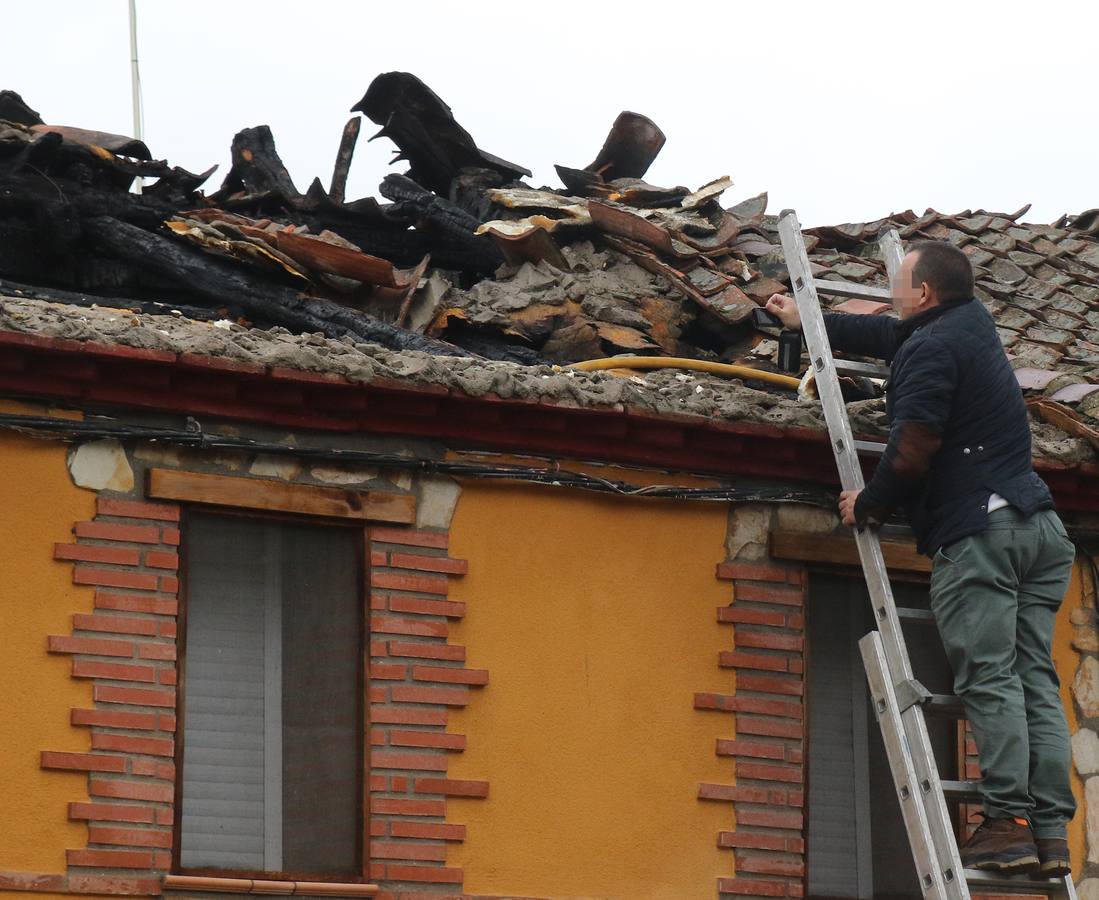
(343, 160)
(14, 109)
(257, 167)
(21, 291)
(453, 227)
(222, 282)
(416, 119)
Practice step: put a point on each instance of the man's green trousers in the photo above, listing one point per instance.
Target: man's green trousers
(995, 596)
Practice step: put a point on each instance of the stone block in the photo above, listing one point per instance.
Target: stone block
(101, 466)
(1091, 805)
(283, 467)
(437, 498)
(749, 531)
(801, 517)
(1085, 751)
(331, 473)
(1085, 687)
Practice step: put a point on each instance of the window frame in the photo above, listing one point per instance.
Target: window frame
(850, 581)
(361, 868)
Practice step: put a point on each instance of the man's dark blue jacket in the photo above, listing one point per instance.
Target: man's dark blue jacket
(959, 429)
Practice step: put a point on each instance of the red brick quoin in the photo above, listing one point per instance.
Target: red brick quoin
(127, 649)
(768, 797)
(416, 677)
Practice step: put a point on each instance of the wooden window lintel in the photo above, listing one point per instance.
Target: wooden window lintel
(840, 550)
(280, 496)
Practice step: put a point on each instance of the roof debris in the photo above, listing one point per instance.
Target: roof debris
(459, 257)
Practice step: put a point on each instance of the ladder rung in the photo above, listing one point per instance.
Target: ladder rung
(850, 289)
(1013, 884)
(896, 531)
(922, 616)
(945, 706)
(961, 790)
(875, 448)
(865, 369)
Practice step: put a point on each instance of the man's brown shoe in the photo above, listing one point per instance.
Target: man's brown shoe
(1053, 858)
(1001, 845)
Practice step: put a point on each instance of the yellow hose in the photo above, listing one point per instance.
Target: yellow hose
(697, 365)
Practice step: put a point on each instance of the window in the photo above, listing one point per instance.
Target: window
(272, 698)
(857, 847)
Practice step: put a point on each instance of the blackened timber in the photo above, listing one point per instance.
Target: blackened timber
(224, 283)
(21, 291)
(343, 159)
(14, 109)
(417, 120)
(43, 197)
(453, 226)
(257, 167)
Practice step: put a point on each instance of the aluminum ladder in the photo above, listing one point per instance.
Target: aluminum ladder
(899, 700)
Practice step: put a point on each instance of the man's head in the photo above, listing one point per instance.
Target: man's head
(932, 272)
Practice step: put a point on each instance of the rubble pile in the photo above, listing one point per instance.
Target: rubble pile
(460, 256)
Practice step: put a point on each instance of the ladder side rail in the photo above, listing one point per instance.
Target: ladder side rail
(905, 778)
(843, 443)
(870, 554)
(892, 251)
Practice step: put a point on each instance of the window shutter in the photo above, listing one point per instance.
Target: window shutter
(838, 849)
(223, 741)
(272, 718)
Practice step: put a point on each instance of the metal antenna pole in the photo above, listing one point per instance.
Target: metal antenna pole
(135, 85)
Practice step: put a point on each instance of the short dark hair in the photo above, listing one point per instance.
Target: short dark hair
(945, 268)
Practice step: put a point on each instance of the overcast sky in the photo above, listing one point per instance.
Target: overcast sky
(844, 111)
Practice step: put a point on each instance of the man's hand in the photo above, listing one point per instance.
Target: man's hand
(847, 506)
(786, 310)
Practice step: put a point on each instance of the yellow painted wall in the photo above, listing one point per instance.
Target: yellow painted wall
(596, 621)
(37, 598)
(1067, 659)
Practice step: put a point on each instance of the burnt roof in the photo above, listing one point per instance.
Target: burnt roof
(468, 277)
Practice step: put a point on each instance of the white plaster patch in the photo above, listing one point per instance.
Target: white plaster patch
(101, 466)
(331, 474)
(401, 478)
(1085, 687)
(276, 467)
(437, 498)
(749, 530)
(1085, 751)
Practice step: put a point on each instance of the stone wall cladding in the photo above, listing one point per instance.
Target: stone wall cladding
(126, 647)
(766, 614)
(1085, 742)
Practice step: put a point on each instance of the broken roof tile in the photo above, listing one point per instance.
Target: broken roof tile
(1007, 272)
(860, 306)
(651, 270)
(1031, 379)
(1023, 258)
(1073, 393)
(853, 271)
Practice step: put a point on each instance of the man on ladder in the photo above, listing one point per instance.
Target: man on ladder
(959, 460)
